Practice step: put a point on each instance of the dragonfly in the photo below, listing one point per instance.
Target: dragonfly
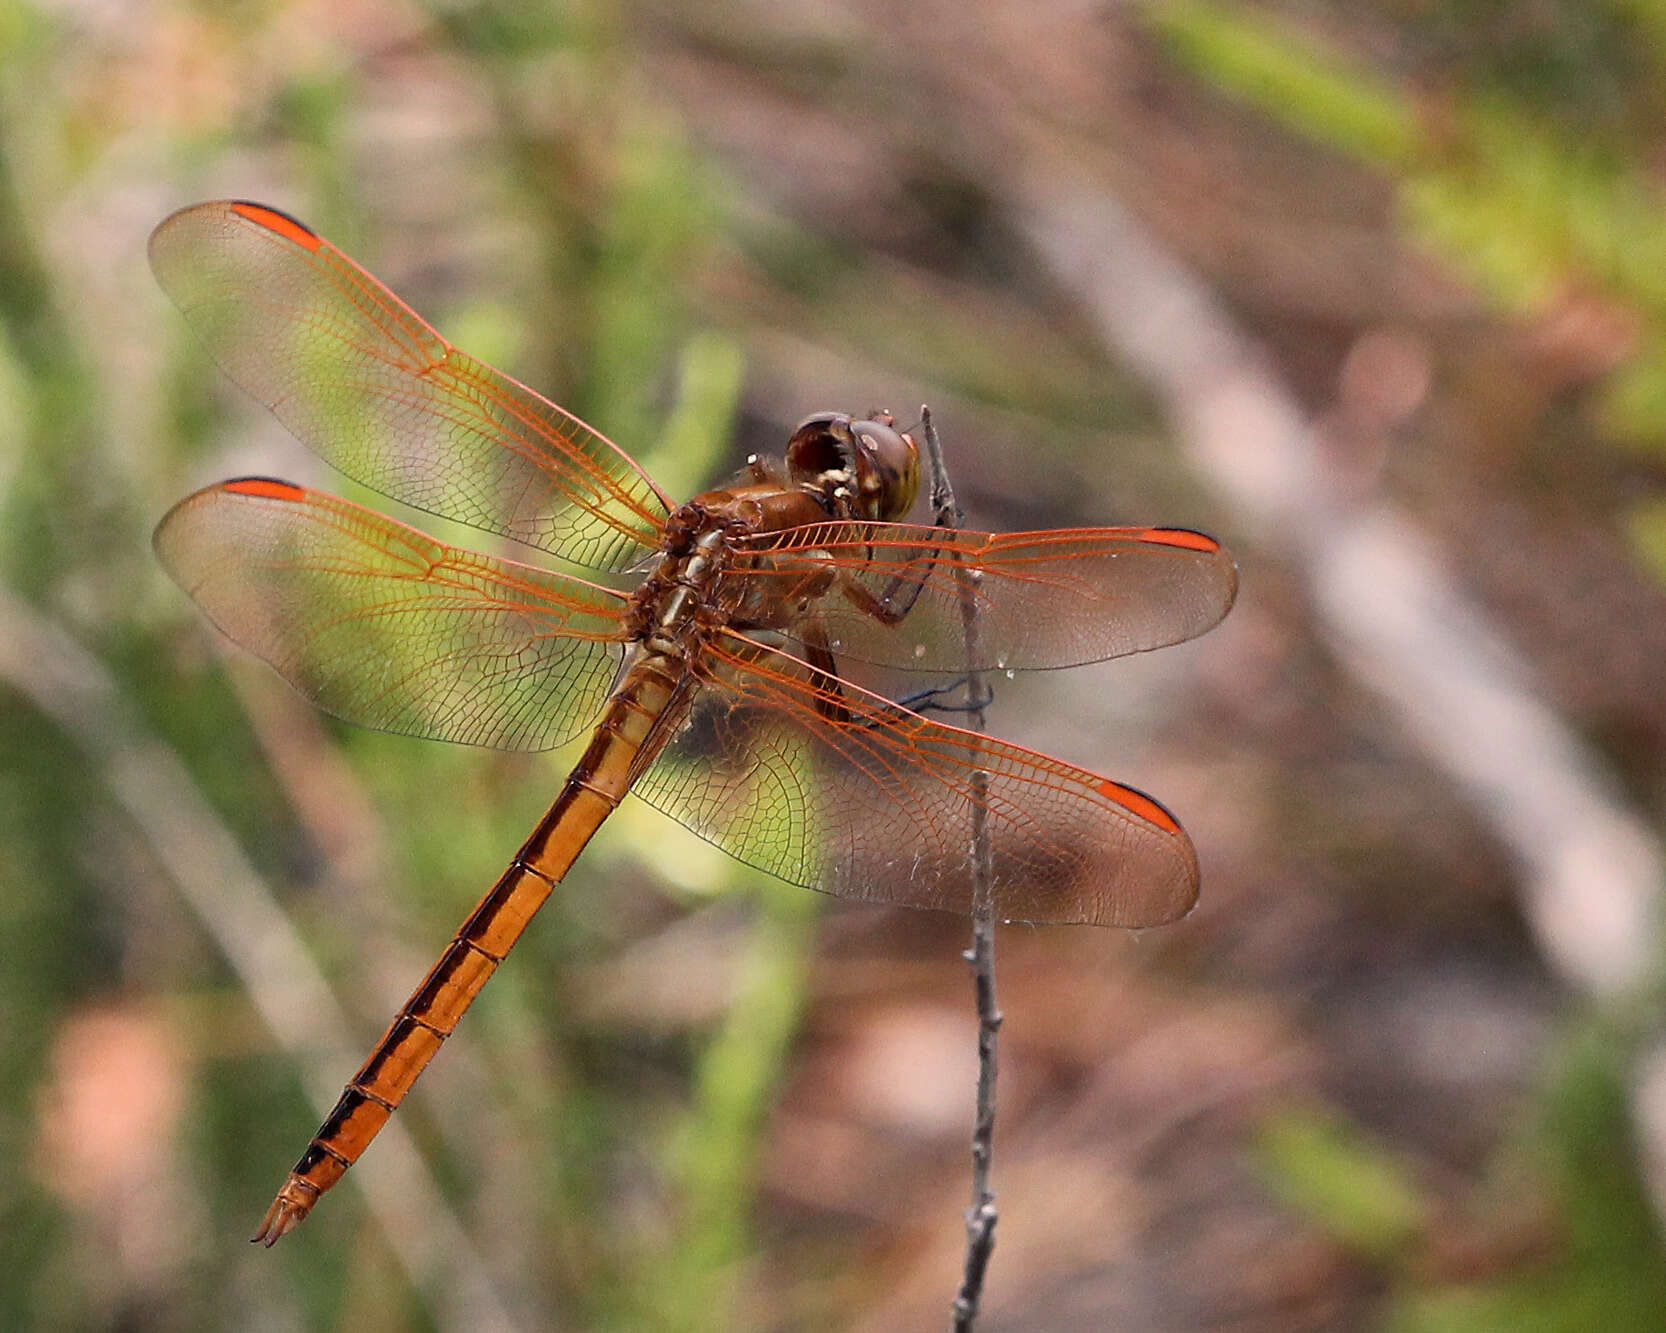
(715, 678)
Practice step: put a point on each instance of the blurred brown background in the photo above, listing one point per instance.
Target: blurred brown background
(1374, 294)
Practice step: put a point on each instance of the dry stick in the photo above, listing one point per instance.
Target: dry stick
(981, 1216)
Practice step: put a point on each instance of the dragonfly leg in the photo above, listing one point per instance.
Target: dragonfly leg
(930, 698)
(889, 606)
(824, 672)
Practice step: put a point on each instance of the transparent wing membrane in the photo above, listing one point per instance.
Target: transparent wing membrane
(361, 380)
(843, 791)
(383, 626)
(1043, 599)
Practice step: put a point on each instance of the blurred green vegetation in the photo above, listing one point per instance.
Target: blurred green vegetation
(1353, 1188)
(1607, 1271)
(619, 246)
(1530, 167)
(1604, 1271)
(622, 1169)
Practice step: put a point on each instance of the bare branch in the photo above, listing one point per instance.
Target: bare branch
(982, 1215)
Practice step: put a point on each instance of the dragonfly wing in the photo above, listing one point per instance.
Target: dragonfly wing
(383, 626)
(879, 804)
(361, 380)
(1043, 599)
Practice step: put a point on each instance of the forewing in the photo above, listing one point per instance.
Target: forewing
(383, 626)
(361, 380)
(1041, 599)
(879, 805)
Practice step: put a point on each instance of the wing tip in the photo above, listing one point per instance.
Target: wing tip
(264, 488)
(259, 488)
(1136, 802)
(1226, 568)
(1186, 538)
(1175, 894)
(1150, 906)
(277, 221)
(261, 215)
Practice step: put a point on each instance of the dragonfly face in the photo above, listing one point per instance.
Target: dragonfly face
(712, 689)
(869, 465)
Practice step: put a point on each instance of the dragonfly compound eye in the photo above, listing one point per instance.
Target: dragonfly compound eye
(821, 445)
(887, 469)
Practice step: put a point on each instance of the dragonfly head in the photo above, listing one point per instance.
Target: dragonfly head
(877, 465)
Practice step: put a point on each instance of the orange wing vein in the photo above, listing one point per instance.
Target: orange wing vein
(878, 807)
(1044, 599)
(360, 379)
(381, 625)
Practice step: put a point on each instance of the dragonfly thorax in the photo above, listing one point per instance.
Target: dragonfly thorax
(665, 609)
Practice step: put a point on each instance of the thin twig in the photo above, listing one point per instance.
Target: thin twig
(982, 1215)
(148, 780)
